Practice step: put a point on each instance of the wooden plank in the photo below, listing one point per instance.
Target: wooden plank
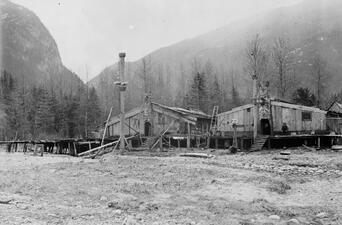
(97, 148)
(105, 129)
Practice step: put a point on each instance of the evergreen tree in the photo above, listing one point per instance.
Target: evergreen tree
(198, 93)
(215, 94)
(303, 96)
(236, 101)
(44, 117)
(94, 111)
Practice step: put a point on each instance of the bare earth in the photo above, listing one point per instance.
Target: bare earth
(258, 188)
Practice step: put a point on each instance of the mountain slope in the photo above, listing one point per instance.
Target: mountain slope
(29, 52)
(313, 26)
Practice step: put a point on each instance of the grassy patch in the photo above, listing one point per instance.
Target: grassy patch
(279, 187)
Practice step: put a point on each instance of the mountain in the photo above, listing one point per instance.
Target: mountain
(29, 52)
(312, 26)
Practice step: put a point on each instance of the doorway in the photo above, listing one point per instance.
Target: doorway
(265, 127)
(147, 129)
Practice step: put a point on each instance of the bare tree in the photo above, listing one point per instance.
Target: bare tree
(320, 76)
(256, 58)
(282, 59)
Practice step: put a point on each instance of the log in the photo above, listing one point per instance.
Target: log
(197, 155)
(5, 201)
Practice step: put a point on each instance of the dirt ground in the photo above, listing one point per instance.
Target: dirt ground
(259, 188)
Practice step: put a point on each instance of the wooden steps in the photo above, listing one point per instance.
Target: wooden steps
(259, 143)
(148, 143)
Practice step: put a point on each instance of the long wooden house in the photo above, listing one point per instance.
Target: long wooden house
(272, 118)
(151, 119)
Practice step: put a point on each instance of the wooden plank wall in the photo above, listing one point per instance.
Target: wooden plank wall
(291, 116)
(243, 117)
(335, 124)
(293, 119)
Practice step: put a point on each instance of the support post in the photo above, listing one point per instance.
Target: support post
(188, 145)
(75, 149)
(69, 147)
(35, 149)
(122, 100)
(42, 150)
(161, 144)
(256, 107)
(216, 143)
(105, 129)
(169, 142)
(319, 142)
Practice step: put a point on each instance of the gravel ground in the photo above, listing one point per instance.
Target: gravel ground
(258, 188)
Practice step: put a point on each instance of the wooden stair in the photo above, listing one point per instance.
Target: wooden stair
(148, 143)
(259, 143)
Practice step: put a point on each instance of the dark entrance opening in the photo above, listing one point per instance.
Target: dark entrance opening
(265, 127)
(147, 128)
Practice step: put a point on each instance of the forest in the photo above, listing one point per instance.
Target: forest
(275, 62)
(40, 112)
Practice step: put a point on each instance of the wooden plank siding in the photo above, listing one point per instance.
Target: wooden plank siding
(290, 114)
(160, 117)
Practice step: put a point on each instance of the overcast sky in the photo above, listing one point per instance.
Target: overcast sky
(91, 33)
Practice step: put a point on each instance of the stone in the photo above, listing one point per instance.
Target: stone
(322, 215)
(292, 222)
(118, 212)
(103, 198)
(130, 221)
(274, 217)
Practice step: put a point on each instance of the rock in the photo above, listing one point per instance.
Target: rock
(274, 217)
(322, 215)
(103, 198)
(130, 221)
(118, 212)
(292, 222)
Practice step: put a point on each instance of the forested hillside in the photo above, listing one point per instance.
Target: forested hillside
(300, 48)
(39, 96)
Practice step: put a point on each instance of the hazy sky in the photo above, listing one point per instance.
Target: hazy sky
(91, 33)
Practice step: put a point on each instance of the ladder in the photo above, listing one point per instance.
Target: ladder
(213, 123)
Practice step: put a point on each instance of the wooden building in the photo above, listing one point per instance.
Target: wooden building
(151, 119)
(272, 117)
(334, 117)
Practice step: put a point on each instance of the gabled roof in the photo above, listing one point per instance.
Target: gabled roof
(189, 115)
(335, 107)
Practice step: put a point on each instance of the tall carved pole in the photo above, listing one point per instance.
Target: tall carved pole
(122, 99)
(256, 107)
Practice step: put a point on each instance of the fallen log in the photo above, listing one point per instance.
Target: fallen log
(5, 201)
(197, 155)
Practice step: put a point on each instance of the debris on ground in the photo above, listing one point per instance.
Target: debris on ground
(141, 188)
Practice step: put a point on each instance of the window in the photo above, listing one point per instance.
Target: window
(306, 116)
